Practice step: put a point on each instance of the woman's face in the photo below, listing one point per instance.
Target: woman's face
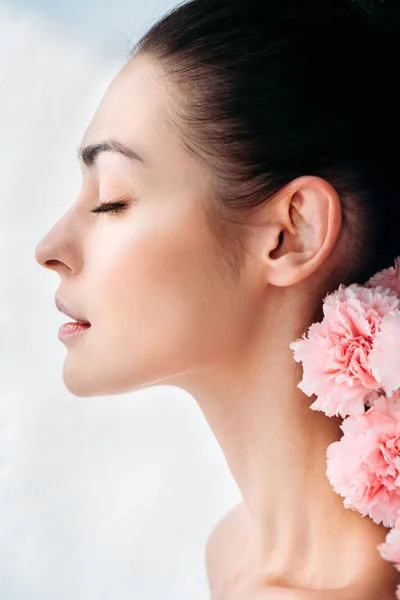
(149, 278)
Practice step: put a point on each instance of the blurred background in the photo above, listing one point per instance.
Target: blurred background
(104, 497)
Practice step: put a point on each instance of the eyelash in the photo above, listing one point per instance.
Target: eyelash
(110, 207)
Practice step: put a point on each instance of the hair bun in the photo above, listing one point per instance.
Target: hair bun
(384, 14)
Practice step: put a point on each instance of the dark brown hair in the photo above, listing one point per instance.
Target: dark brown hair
(273, 90)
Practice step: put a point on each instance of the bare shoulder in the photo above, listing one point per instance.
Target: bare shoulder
(230, 562)
(233, 518)
(221, 548)
(223, 532)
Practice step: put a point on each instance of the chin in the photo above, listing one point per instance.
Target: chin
(84, 384)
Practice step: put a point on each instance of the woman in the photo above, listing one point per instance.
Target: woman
(245, 159)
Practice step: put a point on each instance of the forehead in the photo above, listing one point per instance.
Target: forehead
(135, 110)
(138, 110)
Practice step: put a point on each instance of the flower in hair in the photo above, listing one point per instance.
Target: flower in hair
(387, 278)
(390, 549)
(336, 352)
(351, 362)
(364, 466)
(384, 358)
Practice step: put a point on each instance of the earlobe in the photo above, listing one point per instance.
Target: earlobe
(310, 217)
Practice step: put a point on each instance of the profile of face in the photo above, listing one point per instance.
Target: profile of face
(148, 278)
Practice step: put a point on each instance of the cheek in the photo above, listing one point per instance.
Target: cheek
(155, 290)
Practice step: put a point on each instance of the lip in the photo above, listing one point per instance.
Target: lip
(62, 308)
(69, 330)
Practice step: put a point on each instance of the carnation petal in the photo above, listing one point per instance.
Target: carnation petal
(387, 278)
(384, 357)
(335, 352)
(390, 549)
(363, 467)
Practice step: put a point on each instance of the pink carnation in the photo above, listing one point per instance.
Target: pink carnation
(335, 353)
(364, 466)
(384, 357)
(390, 549)
(387, 278)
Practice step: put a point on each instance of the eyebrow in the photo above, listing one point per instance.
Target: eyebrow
(88, 154)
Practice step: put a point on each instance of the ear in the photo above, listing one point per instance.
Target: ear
(299, 230)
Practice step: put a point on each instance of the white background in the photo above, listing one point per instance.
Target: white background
(109, 497)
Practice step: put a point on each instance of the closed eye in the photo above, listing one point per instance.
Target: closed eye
(112, 207)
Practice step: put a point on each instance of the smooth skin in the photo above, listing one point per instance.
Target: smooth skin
(163, 310)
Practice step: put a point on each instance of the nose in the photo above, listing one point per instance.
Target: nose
(61, 247)
(44, 255)
(41, 255)
(56, 248)
(59, 252)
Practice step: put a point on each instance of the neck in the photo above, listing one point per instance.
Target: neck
(275, 448)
